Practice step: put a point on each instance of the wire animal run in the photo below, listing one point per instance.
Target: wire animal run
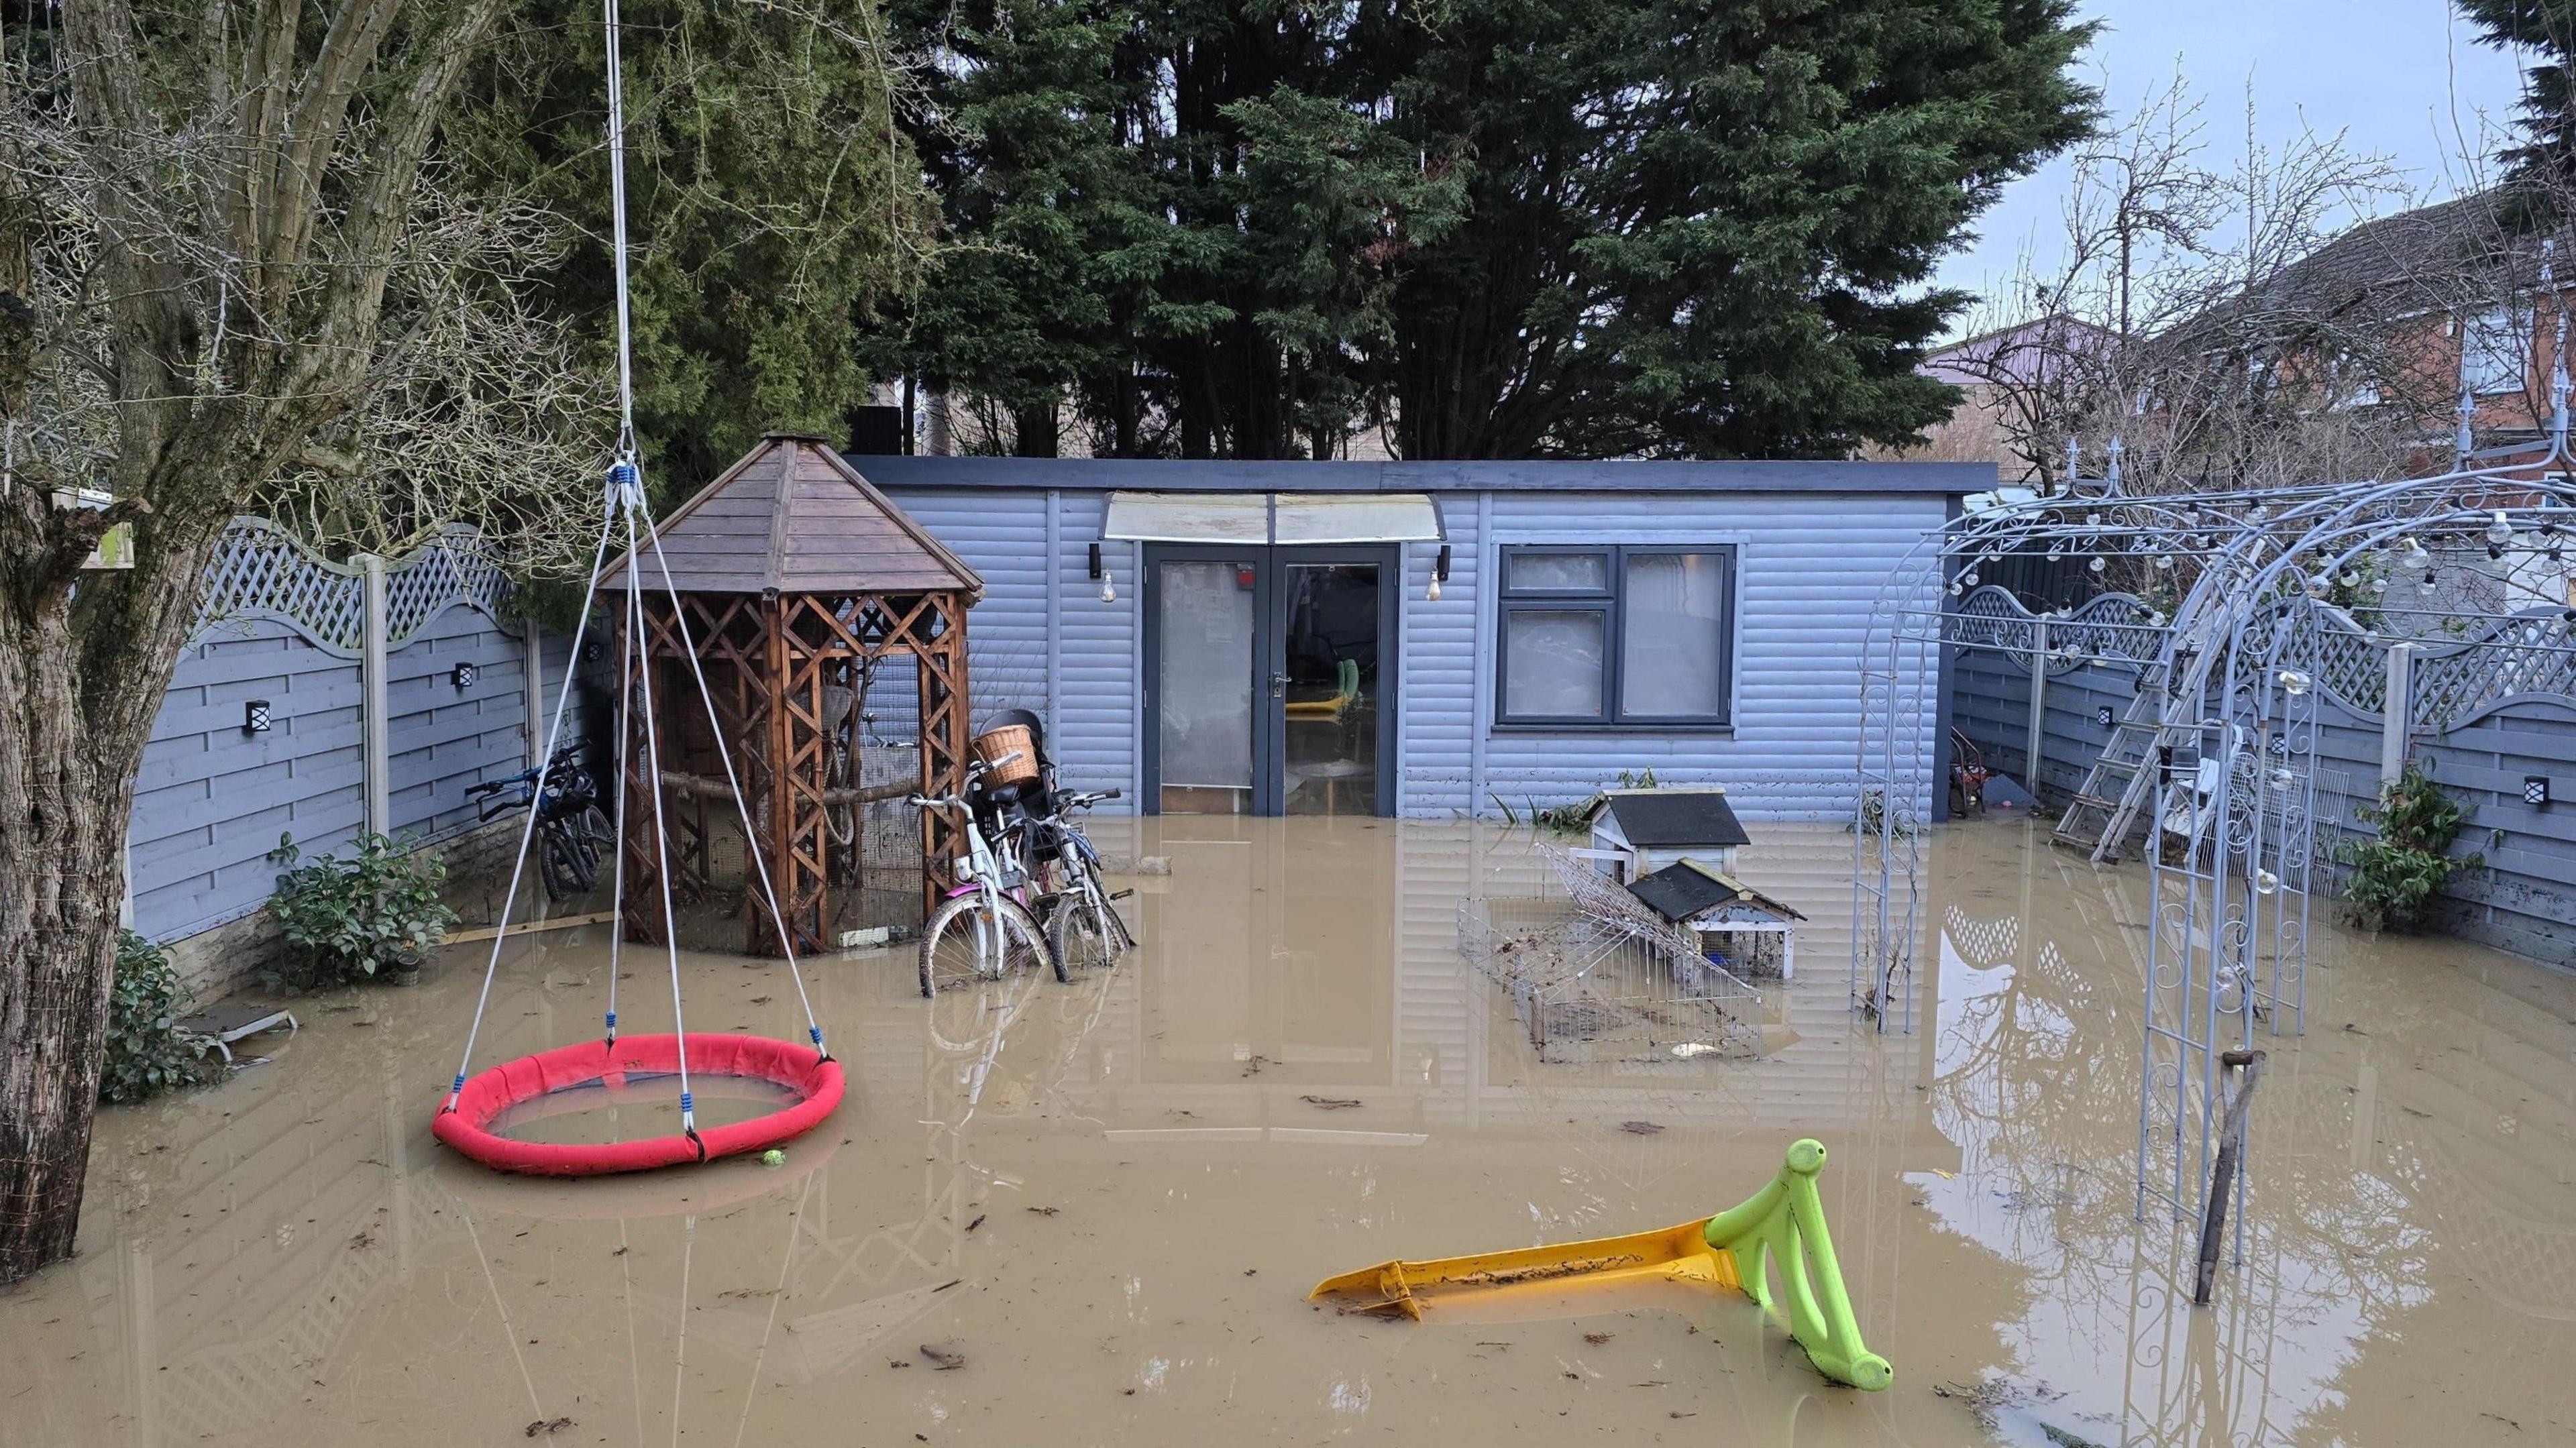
(1595, 976)
(2272, 594)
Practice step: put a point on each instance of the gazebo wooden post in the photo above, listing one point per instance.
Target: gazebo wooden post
(944, 741)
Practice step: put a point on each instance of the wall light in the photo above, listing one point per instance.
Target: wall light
(463, 675)
(2535, 789)
(255, 716)
(1439, 574)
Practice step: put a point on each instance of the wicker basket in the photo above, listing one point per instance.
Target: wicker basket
(993, 744)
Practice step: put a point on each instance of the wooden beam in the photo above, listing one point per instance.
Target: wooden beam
(487, 932)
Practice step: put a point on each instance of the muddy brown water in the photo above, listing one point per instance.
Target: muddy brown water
(1109, 1198)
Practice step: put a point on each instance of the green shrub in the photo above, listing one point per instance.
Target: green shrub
(147, 1053)
(347, 920)
(2395, 875)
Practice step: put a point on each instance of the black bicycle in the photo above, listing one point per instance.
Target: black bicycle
(573, 832)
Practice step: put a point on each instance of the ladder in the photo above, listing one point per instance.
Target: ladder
(2117, 787)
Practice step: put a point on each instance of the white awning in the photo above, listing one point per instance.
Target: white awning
(1283, 518)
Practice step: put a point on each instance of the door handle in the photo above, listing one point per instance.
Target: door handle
(1278, 686)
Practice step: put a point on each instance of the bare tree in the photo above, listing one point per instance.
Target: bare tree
(2226, 321)
(206, 210)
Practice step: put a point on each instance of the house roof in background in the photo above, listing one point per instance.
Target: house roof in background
(792, 517)
(1292, 476)
(1654, 817)
(1691, 887)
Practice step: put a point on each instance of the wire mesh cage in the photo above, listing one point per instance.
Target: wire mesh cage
(1595, 976)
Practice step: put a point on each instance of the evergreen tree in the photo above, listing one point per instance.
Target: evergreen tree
(2548, 104)
(1511, 227)
(771, 202)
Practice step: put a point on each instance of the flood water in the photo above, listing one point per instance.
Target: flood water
(1105, 1201)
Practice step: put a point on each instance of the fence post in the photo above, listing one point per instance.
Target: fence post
(534, 689)
(374, 723)
(2398, 713)
(2038, 705)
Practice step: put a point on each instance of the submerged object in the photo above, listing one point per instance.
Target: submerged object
(466, 1124)
(1785, 1220)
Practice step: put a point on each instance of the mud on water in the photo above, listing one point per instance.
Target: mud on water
(1089, 1213)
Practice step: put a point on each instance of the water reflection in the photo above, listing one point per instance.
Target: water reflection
(1107, 1197)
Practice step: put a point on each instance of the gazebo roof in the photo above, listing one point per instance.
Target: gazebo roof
(794, 517)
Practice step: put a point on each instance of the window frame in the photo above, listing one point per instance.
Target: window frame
(2486, 344)
(1611, 602)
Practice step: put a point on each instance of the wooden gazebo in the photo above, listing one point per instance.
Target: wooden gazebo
(796, 579)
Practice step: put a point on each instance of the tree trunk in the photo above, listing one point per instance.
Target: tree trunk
(69, 750)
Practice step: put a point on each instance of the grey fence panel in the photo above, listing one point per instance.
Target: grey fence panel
(2523, 899)
(444, 738)
(277, 624)
(213, 797)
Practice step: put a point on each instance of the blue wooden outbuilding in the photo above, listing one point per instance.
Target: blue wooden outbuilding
(1432, 639)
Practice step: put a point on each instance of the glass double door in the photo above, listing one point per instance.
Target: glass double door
(1268, 679)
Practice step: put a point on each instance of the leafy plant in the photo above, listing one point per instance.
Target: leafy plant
(1563, 819)
(346, 920)
(2394, 875)
(147, 1053)
(1637, 779)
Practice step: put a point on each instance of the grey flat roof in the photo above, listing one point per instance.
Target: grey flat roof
(1751, 476)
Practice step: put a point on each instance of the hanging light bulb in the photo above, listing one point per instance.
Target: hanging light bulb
(2379, 585)
(2320, 586)
(2432, 580)
(2351, 577)
(1108, 587)
(1957, 586)
(2266, 883)
(2096, 565)
(1432, 594)
(2293, 683)
(2055, 553)
(2164, 561)
(2499, 532)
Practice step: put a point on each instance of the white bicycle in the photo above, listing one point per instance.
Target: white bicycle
(983, 930)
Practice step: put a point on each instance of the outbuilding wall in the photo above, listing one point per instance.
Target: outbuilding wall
(1811, 566)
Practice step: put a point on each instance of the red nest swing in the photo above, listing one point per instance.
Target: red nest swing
(466, 1126)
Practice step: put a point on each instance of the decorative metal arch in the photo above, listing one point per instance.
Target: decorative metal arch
(2226, 709)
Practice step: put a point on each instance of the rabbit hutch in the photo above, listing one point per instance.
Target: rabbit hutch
(830, 631)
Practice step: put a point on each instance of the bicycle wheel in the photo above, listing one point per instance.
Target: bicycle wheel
(964, 943)
(597, 836)
(559, 863)
(1081, 933)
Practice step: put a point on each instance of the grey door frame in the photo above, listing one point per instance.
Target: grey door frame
(1269, 660)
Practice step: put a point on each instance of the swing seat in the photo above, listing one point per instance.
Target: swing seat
(466, 1126)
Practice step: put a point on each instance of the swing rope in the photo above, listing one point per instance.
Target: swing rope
(624, 502)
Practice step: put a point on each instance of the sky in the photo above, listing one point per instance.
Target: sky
(2402, 78)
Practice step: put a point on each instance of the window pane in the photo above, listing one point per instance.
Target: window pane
(1552, 662)
(1561, 572)
(1206, 700)
(2495, 346)
(1672, 657)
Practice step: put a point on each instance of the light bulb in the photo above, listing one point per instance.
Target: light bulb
(2431, 581)
(1955, 588)
(2379, 585)
(2055, 554)
(2293, 683)
(2499, 532)
(2320, 586)
(2095, 565)
(1108, 588)
(2164, 561)
(2266, 883)
(1969, 578)
(2352, 578)
(1433, 592)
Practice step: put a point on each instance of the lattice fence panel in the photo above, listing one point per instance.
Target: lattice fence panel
(261, 571)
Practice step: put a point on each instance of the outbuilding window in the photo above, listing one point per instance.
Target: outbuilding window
(1616, 636)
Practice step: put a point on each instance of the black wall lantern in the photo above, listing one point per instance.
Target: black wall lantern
(255, 718)
(2535, 789)
(463, 674)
